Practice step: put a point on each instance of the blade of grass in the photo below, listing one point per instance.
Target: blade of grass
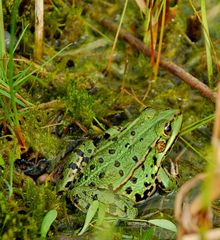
(6, 94)
(116, 36)
(163, 6)
(19, 39)
(194, 149)
(11, 171)
(4, 83)
(2, 35)
(207, 42)
(197, 124)
(24, 79)
(11, 63)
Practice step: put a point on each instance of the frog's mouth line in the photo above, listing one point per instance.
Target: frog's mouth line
(176, 128)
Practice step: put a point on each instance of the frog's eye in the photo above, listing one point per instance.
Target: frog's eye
(167, 129)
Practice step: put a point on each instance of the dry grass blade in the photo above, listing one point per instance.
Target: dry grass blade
(216, 130)
(142, 5)
(18, 96)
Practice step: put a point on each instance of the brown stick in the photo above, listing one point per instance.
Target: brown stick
(164, 63)
(39, 29)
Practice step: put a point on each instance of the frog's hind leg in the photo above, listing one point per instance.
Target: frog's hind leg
(115, 204)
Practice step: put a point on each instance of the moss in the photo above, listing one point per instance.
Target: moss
(80, 103)
(21, 215)
(42, 141)
(74, 26)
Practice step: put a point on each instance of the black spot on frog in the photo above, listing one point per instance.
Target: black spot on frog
(133, 133)
(147, 184)
(79, 152)
(133, 180)
(87, 206)
(114, 139)
(155, 160)
(101, 160)
(127, 145)
(111, 151)
(68, 184)
(121, 173)
(134, 158)
(73, 166)
(92, 184)
(101, 175)
(128, 190)
(92, 167)
(76, 198)
(85, 159)
(94, 197)
(89, 150)
(138, 197)
(117, 163)
(106, 136)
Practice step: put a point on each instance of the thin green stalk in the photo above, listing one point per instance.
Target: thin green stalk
(163, 5)
(3, 56)
(11, 171)
(11, 63)
(207, 42)
(197, 124)
(117, 35)
(21, 80)
(2, 35)
(119, 26)
(194, 149)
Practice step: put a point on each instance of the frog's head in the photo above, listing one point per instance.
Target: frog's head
(159, 132)
(168, 126)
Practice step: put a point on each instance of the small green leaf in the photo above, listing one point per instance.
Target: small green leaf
(90, 215)
(164, 223)
(47, 222)
(2, 163)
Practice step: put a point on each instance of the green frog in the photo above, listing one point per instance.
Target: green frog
(123, 167)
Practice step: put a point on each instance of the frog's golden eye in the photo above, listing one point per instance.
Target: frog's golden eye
(167, 129)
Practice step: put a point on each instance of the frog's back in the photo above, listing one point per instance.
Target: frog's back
(127, 161)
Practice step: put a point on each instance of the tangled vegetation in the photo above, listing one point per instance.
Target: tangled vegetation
(66, 88)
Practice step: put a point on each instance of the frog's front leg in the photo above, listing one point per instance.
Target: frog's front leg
(168, 180)
(115, 204)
